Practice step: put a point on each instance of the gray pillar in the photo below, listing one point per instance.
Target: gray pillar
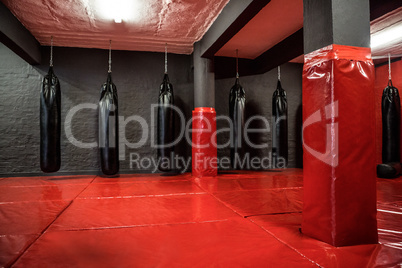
(341, 22)
(204, 79)
(339, 202)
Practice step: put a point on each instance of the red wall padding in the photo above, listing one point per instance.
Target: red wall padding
(339, 146)
(381, 81)
(204, 143)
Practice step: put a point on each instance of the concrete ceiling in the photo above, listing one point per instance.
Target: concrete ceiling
(146, 24)
(264, 31)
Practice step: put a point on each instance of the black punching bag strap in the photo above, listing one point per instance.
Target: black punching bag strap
(50, 120)
(165, 123)
(279, 126)
(237, 101)
(109, 125)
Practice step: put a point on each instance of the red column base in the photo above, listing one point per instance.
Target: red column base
(339, 146)
(204, 143)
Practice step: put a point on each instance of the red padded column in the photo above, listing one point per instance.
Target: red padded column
(204, 151)
(339, 146)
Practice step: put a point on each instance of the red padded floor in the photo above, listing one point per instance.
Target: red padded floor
(227, 243)
(239, 219)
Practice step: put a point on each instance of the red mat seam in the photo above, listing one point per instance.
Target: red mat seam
(280, 240)
(41, 185)
(245, 218)
(48, 226)
(220, 201)
(278, 213)
(133, 182)
(141, 196)
(262, 189)
(140, 225)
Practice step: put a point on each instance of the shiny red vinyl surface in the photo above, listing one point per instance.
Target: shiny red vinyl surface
(339, 146)
(236, 219)
(204, 143)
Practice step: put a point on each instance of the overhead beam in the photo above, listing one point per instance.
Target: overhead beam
(17, 38)
(234, 16)
(288, 49)
(225, 67)
(284, 51)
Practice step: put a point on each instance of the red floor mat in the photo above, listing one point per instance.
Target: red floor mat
(12, 246)
(144, 177)
(40, 192)
(115, 189)
(229, 243)
(286, 229)
(249, 182)
(138, 211)
(389, 220)
(47, 180)
(29, 217)
(257, 202)
(150, 220)
(389, 191)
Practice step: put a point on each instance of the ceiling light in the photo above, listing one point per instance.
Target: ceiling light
(387, 36)
(118, 10)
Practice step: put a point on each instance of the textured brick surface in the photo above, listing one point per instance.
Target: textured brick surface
(137, 76)
(81, 73)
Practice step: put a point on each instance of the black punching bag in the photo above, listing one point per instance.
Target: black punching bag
(50, 119)
(391, 123)
(109, 128)
(279, 127)
(237, 101)
(165, 125)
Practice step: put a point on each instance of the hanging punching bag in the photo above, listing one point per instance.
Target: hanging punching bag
(237, 100)
(391, 118)
(279, 127)
(109, 126)
(50, 118)
(165, 125)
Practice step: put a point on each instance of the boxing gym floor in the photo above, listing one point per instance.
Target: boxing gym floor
(238, 219)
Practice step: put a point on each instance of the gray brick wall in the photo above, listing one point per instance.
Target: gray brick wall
(137, 76)
(259, 90)
(81, 72)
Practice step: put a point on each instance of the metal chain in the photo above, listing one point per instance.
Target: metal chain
(279, 73)
(110, 56)
(389, 67)
(237, 63)
(166, 63)
(51, 51)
